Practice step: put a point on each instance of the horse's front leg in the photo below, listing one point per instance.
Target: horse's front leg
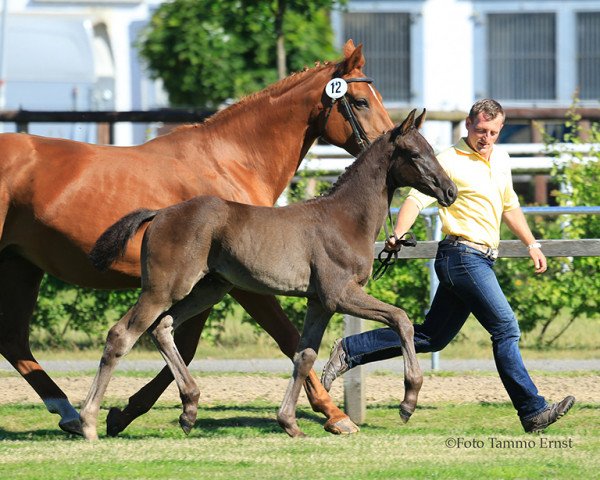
(269, 315)
(121, 337)
(358, 303)
(315, 323)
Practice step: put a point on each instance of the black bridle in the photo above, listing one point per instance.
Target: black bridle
(363, 142)
(350, 116)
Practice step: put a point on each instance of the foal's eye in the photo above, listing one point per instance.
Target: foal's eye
(361, 103)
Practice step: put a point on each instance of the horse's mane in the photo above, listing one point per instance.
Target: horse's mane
(275, 88)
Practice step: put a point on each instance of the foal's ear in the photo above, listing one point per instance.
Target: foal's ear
(354, 57)
(420, 119)
(408, 122)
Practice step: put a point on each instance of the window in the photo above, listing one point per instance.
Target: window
(386, 45)
(588, 55)
(521, 61)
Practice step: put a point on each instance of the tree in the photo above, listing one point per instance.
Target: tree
(569, 289)
(208, 52)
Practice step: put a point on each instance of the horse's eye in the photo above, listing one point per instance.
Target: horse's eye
(361, 103)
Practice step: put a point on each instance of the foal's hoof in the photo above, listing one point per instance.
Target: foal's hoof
(114, 422)
(341, 426)
(186, 423)
(405, 414)
(72, 426)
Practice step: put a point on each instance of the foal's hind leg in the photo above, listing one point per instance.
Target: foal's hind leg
(121, 337)
(186, 340)
(19, 286)
(358, 303)
(315, 323)
(205, 294)
(270, 316)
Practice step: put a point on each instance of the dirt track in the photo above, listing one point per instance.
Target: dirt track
(380, 388)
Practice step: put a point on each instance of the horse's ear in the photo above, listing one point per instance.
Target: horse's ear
(420, 119)
(408, 122)
(349, 48)
(354, 57)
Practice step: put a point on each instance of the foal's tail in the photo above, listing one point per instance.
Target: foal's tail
(112, 243)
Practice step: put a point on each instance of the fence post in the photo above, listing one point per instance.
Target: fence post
(354, 379)
(436, 234)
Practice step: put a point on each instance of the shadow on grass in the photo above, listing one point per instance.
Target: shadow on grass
(37, 435)
(221, 420)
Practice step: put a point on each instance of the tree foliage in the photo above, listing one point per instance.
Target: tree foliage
(208, 52)
(569, 289)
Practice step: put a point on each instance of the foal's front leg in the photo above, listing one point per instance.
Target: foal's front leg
(121, 337)
(315, 323)
(358, 303)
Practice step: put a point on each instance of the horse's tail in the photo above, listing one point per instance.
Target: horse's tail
(112, 244)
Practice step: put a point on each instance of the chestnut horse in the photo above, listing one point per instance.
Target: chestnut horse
(57, 196)
(194, 252)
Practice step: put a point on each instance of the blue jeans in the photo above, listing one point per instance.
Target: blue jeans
(468, 284)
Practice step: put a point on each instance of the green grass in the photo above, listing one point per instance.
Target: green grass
(244, 441)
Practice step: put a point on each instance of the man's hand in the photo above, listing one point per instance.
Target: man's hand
(539, 260)
(391, 245)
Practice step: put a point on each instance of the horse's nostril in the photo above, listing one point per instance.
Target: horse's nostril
(451, 193)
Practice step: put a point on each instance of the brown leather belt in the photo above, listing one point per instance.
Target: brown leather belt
(487, 251)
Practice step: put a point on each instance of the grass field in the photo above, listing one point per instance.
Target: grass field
(459, 441)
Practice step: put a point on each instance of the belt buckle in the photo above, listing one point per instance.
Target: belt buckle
(492, 253)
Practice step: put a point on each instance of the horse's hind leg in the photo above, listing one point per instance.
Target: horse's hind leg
(19, 287)
(186, 340)
(269, 315)
(315, 323)
(121, 337)
(358, 303)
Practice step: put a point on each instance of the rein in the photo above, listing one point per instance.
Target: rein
(392, 255)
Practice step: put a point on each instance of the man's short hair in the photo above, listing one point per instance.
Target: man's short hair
(490, 109)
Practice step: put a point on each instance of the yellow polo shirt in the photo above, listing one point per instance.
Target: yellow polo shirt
(485, 191)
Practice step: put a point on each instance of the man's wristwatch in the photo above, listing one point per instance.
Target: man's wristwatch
(534, 245)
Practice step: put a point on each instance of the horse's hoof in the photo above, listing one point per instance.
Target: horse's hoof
(89, 433)
(291, 428)
(405, 414)
(186, 423)
(342, 426)
(72, 426)
(114, 425)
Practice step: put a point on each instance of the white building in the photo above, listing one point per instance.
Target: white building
(77, 55)
(445, 54)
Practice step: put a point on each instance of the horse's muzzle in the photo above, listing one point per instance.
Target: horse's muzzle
(450, 195)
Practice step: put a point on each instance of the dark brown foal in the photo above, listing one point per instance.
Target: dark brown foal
(195, 252)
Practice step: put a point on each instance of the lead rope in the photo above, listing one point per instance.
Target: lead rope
(363, 142)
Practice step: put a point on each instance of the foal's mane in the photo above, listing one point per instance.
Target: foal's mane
(374, 150)
(273, 89)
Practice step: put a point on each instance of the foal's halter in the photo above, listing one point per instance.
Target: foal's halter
(363, 142)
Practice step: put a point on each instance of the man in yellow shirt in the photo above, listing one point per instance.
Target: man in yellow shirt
(464, 266)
